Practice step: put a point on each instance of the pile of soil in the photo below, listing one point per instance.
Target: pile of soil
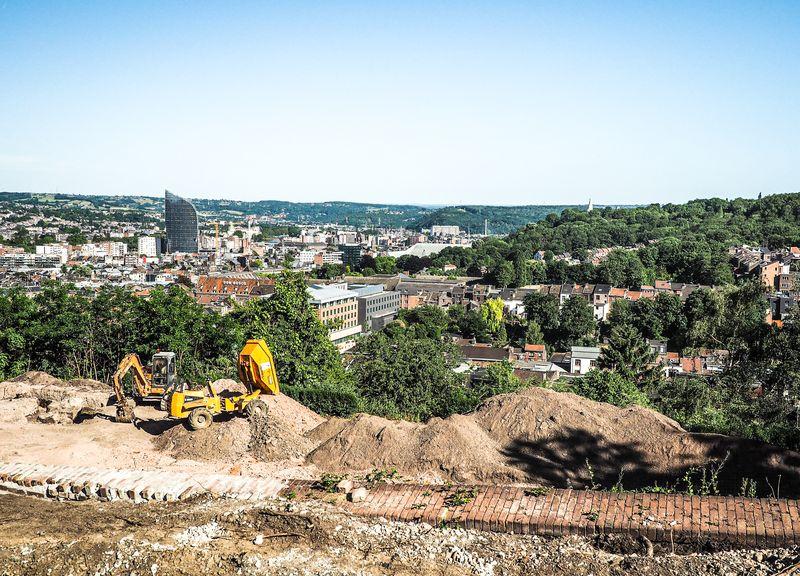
(278, 436)
(455, 448)
(545, 437)
(40, 397)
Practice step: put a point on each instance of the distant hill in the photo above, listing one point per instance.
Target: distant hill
(502, 219)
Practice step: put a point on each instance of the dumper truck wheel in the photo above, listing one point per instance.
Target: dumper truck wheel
(199, 418)
(257, 408)
(164, 403)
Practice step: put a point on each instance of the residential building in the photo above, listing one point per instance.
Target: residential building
(583, 359)
(437, 230)
(769, 272)
(181, 223)
(484, 354)
(24, 259)
(350, 254)
(533, 353)
(60, 250)
(376, 307)
(148, 246)
(338, 309)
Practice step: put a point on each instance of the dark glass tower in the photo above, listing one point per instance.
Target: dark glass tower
(181, 221)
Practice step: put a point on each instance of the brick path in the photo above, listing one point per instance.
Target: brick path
(660, 517)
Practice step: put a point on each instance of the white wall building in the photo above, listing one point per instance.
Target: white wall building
(148, 246)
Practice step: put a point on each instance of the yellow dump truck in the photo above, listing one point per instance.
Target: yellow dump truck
(256, 371)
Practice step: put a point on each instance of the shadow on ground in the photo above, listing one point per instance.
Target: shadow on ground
(578, 459)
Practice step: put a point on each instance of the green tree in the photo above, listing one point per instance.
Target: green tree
(542, 309)
(498, 378)
(609, 387)
(502, 274)
(385, 265)
(492, 314)
(400, 374)
(426, 321)
(627, 353)
(304, 355)
(533, 333)
(576, 323)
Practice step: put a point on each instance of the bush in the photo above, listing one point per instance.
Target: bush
(326, 399)
(610, 387)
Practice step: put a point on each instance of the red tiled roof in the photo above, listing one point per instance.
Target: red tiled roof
(534, 347)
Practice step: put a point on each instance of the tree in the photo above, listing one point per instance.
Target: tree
(542, 309)
(385, 265)
(533, 333)
(304, 355)
(401, 374)
(576, 323)
(705, 313)
(492, 314)
(472, 325)
(609, 387)
(498, 378)
(426, 321)
(502, 274)
(627, 353)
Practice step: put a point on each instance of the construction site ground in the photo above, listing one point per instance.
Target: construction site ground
(223, 537)
(536, 438)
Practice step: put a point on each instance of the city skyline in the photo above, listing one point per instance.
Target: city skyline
(443, 104)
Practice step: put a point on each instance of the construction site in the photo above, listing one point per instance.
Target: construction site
(238, 478)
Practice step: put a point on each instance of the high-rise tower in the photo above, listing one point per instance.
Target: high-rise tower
(181, 223)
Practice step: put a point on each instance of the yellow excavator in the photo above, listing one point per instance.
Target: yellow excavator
(256, 371)
(150, 384)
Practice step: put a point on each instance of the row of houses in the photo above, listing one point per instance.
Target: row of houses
(532, 361)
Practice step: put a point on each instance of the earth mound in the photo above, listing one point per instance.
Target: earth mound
(544, 437)
(40, 397)
(278, 436)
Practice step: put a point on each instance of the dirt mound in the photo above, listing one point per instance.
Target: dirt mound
(546, 437)
(455, 448)
(38, 378)
(87, 383)
(41, 397)
(222, 441)
(279, 436)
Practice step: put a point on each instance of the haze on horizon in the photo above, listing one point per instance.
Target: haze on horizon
(416, 102)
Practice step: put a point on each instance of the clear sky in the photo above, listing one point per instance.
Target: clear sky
(428, 102)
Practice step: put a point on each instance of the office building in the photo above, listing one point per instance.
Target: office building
(181, 223)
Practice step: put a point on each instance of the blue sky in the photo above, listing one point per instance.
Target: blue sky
(414, 102)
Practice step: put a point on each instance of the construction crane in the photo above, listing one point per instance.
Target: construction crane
(256, 371)
(150, 384)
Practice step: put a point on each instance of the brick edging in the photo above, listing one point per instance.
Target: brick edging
(675, 518)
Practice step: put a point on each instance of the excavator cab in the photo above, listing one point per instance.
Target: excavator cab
(163, 370)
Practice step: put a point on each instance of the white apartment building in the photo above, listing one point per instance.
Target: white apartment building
(148, 246)
(60, 250)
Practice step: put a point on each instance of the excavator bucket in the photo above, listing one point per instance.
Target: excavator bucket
(257, 367)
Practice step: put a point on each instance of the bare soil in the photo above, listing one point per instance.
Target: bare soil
(218, 537)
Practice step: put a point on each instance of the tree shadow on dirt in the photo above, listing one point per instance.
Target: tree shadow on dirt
(577, 458)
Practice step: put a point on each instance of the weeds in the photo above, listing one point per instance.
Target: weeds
(748, 489)
(460, 496)
(381, 475)
(328, 482)
(536, 491)
(590, 472)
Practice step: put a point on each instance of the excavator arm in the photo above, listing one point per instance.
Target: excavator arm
(141, 381)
